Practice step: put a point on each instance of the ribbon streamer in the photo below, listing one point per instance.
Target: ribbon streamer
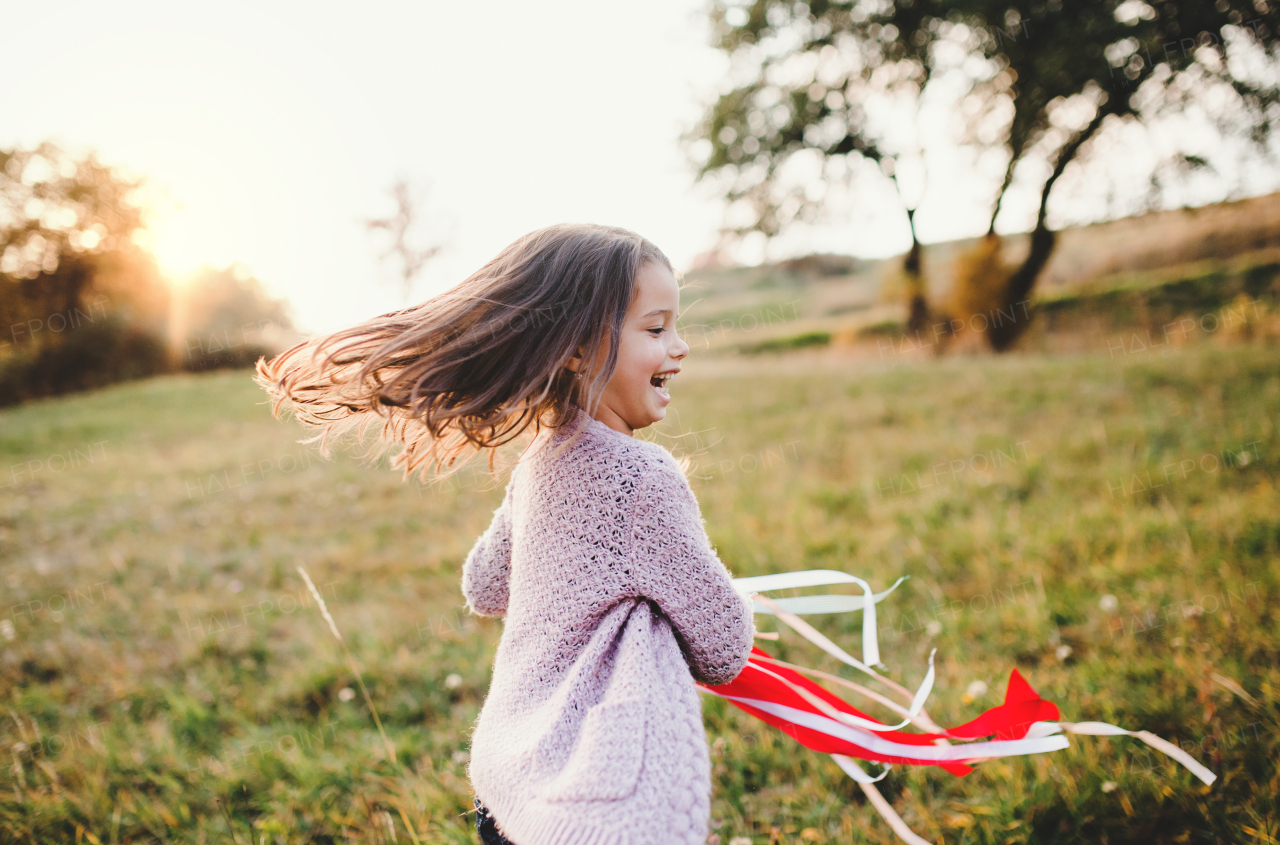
(807, 605)
(1163, 745)
(776, 693)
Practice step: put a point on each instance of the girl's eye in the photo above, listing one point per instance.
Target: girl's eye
(658, 329)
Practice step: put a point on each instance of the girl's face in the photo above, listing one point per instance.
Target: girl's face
(649, 354)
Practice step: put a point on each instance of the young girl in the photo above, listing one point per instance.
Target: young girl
(614, 600)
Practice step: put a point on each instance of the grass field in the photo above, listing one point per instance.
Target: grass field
(1109, 525)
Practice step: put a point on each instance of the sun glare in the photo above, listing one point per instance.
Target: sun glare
(183, 235)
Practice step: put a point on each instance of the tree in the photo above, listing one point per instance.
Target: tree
(1124, 62)
(398, 226)
(81, 304)
(832, 98)
(1042, 79)
(62, 223)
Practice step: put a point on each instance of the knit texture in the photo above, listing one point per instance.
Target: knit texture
(592, 732)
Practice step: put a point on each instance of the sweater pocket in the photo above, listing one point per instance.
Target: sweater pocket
(605, 762)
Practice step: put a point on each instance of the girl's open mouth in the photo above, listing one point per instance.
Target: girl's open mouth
(659, 383)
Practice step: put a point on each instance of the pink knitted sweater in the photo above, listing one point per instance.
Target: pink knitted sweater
(592, 732)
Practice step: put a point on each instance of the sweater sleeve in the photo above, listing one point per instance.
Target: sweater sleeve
(673, 564)
(486, 573)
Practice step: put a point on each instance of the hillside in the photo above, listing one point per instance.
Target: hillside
(737, 308)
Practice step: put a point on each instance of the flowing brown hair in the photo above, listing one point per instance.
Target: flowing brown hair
(474, 367)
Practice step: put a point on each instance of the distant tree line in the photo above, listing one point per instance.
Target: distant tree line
(83, 305)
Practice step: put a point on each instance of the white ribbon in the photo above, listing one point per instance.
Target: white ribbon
(814, 636)
(1103, 729)
(877, 800)
(810, 605)
(804, 578)
(895, 821)
(870, 645)
(853, 770)
(829, 603)
(926, 754)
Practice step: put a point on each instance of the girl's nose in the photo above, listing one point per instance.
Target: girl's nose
(680, 349)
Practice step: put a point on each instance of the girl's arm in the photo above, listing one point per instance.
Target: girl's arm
(486, 573)
(673, 564)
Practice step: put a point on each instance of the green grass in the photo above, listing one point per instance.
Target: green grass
(783, 344)
(164, 655)
(1160, 300)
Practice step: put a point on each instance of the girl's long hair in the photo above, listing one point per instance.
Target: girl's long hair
(474, 367)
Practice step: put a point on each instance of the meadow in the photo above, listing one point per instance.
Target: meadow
(1107, 522)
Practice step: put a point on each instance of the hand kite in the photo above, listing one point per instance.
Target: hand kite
(777, 693)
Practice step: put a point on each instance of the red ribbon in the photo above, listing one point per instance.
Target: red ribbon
(762, 681)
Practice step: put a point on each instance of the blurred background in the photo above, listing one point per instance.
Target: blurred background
(981, 292)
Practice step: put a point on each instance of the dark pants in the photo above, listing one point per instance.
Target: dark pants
(486, 828)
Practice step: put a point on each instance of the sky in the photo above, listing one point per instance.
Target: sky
(268, 132)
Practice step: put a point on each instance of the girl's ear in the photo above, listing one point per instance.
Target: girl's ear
(576, 361)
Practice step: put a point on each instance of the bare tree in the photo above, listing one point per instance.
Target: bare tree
(398, 226)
